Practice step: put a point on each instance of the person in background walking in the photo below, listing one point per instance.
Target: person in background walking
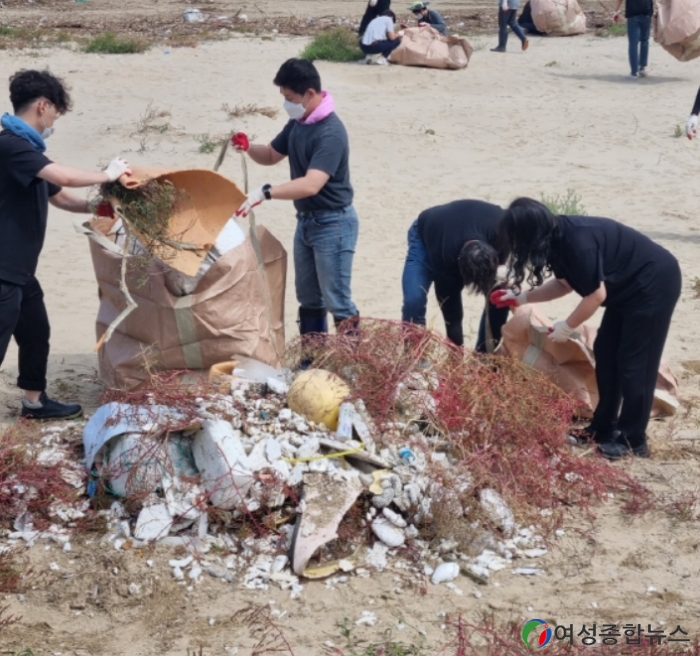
(374, 8)
(691, 127)
(380, 38)
(506, 19)
(430, 17)
(638, 14)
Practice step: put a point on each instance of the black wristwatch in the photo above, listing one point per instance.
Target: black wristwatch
(266, 191)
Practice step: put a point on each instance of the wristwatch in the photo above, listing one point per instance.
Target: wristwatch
(266, 191)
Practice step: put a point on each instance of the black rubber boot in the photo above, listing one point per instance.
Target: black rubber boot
(622, 447)
(349, 326)
(311, 322)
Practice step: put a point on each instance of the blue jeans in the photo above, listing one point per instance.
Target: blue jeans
(638, 28)
(324, 246)
(506, 19)
(418, 277)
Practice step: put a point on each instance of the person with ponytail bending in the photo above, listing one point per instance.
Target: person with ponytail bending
(611, 265)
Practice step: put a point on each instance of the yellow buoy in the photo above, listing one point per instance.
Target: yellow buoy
(317, 394)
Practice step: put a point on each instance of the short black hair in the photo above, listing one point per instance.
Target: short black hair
(28, 86)
(389, 14)
(478, 264)
(299, 75)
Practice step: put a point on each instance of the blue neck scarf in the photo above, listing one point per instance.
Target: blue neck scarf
(22, 129)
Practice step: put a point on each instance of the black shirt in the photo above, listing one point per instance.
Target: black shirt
(323, 146)
(24, 207)
(371, 13)
(590, 250)
(444, 230)
(639, 8)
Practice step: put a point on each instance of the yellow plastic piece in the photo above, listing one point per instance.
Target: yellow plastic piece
(317, 394)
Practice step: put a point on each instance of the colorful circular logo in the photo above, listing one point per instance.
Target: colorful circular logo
(537, 625)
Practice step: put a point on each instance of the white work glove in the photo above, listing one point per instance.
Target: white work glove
(502, 273)
(503, 298)
(116, 169)
(560, 332)
(616, 17)
(400, 33)
(504, 6)
(691, 127)
(254, 199)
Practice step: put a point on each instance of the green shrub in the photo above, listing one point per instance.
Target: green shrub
(337, 45)
(110, 44)
(569, 204)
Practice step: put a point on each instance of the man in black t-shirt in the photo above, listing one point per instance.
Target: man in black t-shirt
(29, 181)
(638, 14)
(316, 143)
(454, 246)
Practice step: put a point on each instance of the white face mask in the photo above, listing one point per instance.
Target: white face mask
(295, 110)
(47, 133)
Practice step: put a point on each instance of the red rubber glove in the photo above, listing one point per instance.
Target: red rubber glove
(240, 142)
(503, 298)
(403, 26)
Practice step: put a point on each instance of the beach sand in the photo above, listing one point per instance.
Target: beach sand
(560, 116)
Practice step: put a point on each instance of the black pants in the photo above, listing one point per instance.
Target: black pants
(23, 316)
(384, 48)
(497, 318)
(628, 352)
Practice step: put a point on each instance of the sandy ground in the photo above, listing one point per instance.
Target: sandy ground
(561, 116)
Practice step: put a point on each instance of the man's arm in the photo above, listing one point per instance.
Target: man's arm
(264, 155)
(65, 200)
(309, 185)
(64, 176)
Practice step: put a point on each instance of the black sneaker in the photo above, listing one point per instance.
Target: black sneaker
(51, 409)
(621, 448)
(586, 436)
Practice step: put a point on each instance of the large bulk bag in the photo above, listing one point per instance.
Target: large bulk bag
(558, 17)
(677, 28)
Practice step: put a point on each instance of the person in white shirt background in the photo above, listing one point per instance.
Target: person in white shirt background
(380, 38)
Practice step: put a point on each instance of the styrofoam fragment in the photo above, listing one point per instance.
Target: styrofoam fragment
(221, 459)
(153, 523)
(445, 572)
(498, 511)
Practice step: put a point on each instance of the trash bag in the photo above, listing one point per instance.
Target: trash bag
(225, 316)
(677, 28)
(425, 46)
(571, 365)
(558, 17)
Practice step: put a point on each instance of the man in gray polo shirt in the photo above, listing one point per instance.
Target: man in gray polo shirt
(316, 143)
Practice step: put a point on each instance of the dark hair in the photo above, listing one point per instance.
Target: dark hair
(389, 14)
(28, 86)
(478, 262)
(526, 232)
(299, 75)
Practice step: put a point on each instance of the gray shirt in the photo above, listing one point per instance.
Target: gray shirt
(322, 146)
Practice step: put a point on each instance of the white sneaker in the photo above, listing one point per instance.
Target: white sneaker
(642, 72)
(632, 76)
(382, 61)
(368, 59)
